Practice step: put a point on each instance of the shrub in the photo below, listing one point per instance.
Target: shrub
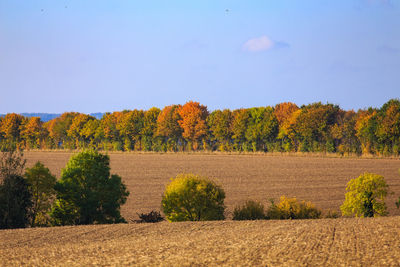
(365, 196)
(291, 208)
(41, 184)
(191, 197)
(332, 214)
(151, 217)
(15, 197)
(87, 193)
(15, 202)
(251, 210)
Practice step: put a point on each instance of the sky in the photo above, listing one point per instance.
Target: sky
(110, 55)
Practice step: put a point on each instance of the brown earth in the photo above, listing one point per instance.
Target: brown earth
(325, 242)
(321, 180)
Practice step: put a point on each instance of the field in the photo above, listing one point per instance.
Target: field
(322, 180)
(326, 242)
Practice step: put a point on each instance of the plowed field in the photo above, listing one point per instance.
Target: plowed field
(321, 180)
(325, 242)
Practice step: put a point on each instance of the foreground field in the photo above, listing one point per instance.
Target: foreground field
(326, 242)
(261, 177)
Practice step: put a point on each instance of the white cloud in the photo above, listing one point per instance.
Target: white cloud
(258, 44)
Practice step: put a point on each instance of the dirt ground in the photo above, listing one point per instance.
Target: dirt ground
(321, 180)
(325, 242)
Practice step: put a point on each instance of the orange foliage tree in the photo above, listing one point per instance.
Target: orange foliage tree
(168, 127)
(286, 114)
(193, 122)
(33, 133)
(388, 127)
(58, 128)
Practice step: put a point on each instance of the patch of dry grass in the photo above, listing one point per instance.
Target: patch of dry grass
(326, 242)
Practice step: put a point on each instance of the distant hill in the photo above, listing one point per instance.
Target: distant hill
(49, 116)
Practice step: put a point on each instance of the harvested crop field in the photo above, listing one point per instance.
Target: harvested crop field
(325, 242)
(321, 180)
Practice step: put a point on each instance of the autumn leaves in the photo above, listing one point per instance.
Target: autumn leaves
(286, 127)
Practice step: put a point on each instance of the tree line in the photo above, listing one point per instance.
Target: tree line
(285, 127)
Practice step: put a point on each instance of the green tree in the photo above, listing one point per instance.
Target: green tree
(219, 123)
(313, 126)
(41, 184)
(191, 197)
(15, 202)
(366, 126)
(262, 128)
(365, 196)
(87, 193)
(92, 132)
(240, 121)
(344, 133)
(130, 127)
(15, 197)
(149, 130)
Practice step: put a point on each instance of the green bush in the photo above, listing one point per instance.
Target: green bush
(191, 197)
(251, 210)
(15, 197)
(365, 196)
(87, 193)
(41, 184)
(291, 208)
(15, 202)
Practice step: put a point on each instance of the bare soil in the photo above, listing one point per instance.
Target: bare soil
(321, 180)
(325, 242)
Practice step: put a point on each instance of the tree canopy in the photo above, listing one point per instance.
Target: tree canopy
(87, 193)
(316, 127)
(365, 196)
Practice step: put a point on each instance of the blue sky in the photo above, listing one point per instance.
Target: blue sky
(98, 56)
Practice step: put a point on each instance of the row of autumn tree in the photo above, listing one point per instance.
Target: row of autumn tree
(286, 127)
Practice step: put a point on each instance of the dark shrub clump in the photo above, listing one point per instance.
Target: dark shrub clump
(151, 217)
(251, 210)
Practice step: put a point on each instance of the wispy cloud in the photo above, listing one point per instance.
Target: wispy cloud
(263, 43)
